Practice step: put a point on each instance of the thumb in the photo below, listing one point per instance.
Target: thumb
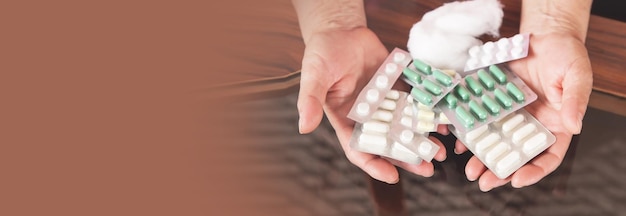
(313, 89)
(577, 86)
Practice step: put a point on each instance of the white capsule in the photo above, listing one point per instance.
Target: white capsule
(390, 68)
(363, 109)
(372, 95)
(486, 60)
(503, 43)
(443, 119)
(474, 51)
(508, 162)
(388, 105)
(409, 99)
(502, 55)
(375, 127)
(373, 143)
(426, 115)
(425, 148)
(421, 106)
(518, 39)
(406, 136)
(406, 121)
(471, 136)
(408, 111)
(382, 81)
(398, 57)
(472, 63)
(488, 47)
(426, 126)
(523, 132)
(486, 142)
(535, 143)
(393, 95)
(517, 52)
(512, 123)
(382, 115)
(496, 152)
(402, 153)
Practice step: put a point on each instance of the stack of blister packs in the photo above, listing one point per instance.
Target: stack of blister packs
(482, 106)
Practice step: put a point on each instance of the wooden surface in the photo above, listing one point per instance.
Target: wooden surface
(392, 20)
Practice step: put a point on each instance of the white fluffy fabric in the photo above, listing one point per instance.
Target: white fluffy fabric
(444, 35)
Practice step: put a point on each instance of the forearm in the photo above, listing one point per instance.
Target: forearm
(320, 15)
(556, 16)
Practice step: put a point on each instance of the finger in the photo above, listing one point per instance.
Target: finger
(441, 153)
(577, 86)
(542, 165)
(490, 181)
(312, 95)
(426, 169)
(443, 129)
(375, 166)
(474, 168)
(459, 147)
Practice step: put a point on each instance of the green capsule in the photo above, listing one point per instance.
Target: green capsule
(491, 105)
(412, 75)
(462, 93)
(421, 96)
(498, 74)
(503, 98)
(479, 112)
(464, 117)
(422, 67)
(432, 87)
(451, 100)
(486, 79)
(517, 94)
(473, 86)
(443, 78)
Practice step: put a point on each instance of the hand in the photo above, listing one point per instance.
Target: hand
(559, 71)
(337, 64)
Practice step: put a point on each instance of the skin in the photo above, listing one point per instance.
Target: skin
(341, 55)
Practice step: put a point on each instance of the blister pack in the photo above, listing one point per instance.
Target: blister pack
(503, 50)
(430, 85)
(508, 143)
(373, 94)
(375, 137)
(484, 96)
(420, 118)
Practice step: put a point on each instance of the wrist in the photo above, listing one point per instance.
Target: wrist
(561, 17)
(329, 15)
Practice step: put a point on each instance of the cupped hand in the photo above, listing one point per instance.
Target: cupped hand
(337, 64)
(558, 70)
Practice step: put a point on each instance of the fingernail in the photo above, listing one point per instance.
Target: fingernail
(579, 123)
(300, 125)
(456, 151)
(395, 181)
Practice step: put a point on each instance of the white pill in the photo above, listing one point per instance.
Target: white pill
(443, 119)
(472, 63)
(496, 152)
(409, 99)
(373, 142)
(502, 55)
(508, 162)
(426, 115)
(425, 148)
(388, 105)
(426, 126)
(398, 57)
(406, 136)
(382, 115)
(390, 68)
(363, 109)
(382, 81)
(372, 95)
(486, 142)
(393, 95)
(512, 123)
(408, 111)
(474, 134)
(503, 44)
(402, 153)
(486, 60)
(523, 132)
(534, 143)
(488, 47)
(518, 39)
(517, 52)
(375, 127)
(406, 121)
(474, 51)
(421, 106)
